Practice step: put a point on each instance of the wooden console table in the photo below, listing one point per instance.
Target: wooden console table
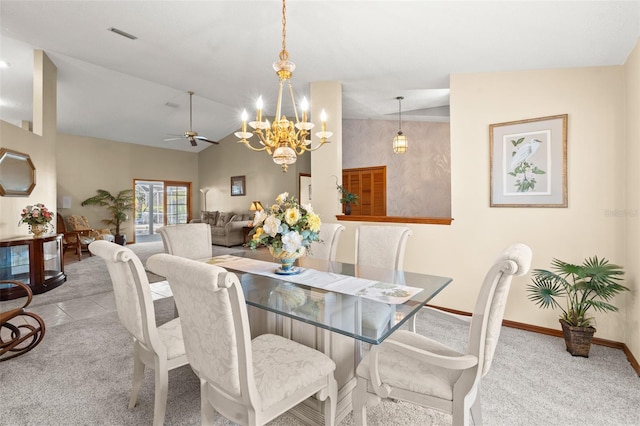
(37, 262)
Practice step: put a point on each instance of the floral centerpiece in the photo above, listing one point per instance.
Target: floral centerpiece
(38, 217)
(287, 229)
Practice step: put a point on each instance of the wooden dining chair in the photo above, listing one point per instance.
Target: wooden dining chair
(413, 368)
(250, 382)
(192, 240)
(160, 348)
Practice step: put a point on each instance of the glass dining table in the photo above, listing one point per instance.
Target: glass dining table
(331, 306)
(380, 302)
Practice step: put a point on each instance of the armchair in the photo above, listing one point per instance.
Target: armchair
(80, 223)
(76, 240)
(413, 368)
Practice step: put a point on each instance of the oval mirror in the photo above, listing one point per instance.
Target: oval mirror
(17, 173)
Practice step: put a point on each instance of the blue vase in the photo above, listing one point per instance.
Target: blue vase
(286, 264)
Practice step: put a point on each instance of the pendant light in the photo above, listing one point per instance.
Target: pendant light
(400, 141)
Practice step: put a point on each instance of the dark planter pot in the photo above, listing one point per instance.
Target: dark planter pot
(577, 339)
(121, 239)
(347, 208)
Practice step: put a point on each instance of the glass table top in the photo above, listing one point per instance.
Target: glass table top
(368, 319)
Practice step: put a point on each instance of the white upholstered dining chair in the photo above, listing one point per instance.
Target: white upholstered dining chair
(326, 248)
(410, 367)
(192, 240)
(250, 382)
(381, 246)
(160, 348)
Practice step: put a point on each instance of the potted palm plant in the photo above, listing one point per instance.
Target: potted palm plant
(117, 205)
(590, 285)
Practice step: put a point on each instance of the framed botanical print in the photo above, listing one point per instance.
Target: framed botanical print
(528, 162)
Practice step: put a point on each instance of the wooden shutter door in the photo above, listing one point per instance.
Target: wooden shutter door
(370, 184)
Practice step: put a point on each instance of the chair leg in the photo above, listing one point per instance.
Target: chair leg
(359, 398)
(78, 250)
(207, 412)
(476, 411)
(138, 374)
(330, 406)
(162, 386)
(460, 412)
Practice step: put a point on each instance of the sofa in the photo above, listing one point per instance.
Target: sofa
(226, 227)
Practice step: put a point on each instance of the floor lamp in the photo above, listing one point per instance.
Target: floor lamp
(204, 195)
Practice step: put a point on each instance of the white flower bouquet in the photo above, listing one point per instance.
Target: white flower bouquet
(287, 228)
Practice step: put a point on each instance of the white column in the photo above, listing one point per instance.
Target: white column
(327, 161)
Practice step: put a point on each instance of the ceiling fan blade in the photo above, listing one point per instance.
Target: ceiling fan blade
(193, 142)
(202, 138)
(173, 139)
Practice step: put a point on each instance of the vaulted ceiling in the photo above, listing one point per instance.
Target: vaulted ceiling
(135, 91)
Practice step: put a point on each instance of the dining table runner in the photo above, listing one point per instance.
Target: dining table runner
(375, 290)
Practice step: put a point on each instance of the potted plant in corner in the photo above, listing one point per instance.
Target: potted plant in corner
(590, 285)
(347, 198)
(117, 205)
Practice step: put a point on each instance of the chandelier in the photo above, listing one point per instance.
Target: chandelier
(400, 141)
(283, 139)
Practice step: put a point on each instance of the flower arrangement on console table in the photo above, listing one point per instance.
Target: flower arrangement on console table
(287, 229)
(38, 217)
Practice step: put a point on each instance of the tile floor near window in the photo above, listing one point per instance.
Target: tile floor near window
(86, 307)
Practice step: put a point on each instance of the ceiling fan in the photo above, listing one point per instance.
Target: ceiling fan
(190, 134)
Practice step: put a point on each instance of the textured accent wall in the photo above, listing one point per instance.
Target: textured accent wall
(418, 182)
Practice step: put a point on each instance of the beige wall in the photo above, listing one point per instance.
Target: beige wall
(264, 179)
(418, 182)
(40, 146)
(594, 100)
(87, 164)
(632, 211)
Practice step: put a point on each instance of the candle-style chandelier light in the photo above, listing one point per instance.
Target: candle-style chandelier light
(284, 140)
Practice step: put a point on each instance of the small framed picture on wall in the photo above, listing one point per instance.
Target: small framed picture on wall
(238, 186)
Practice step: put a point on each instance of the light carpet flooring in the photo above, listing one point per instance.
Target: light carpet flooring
(81, 372)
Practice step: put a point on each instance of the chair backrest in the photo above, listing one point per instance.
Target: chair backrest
(215, 324)
(61, 228)
(77, 222)
(132, 292)
(488, 313)
(329, 236)
(381, 246)
(192, 240)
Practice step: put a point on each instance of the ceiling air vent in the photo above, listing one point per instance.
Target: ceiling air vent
(122, 33)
